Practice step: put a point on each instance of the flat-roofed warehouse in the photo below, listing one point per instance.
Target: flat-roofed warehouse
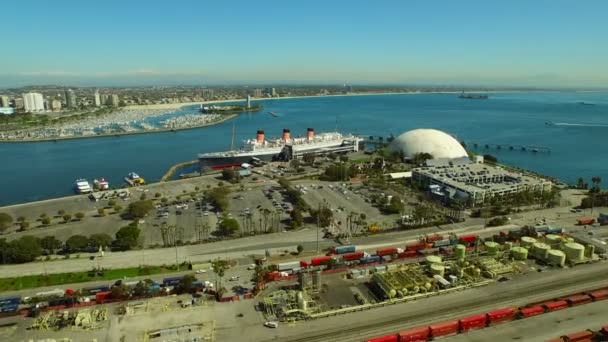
(475, 182)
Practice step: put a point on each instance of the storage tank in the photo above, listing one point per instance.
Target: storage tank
(437, 269)
(574, 251)
(433, 259)
(491, 247)
(541, 250)
(316, 280)
(556, 258)
(519, 253)
(553, 240)
(589, 250)
(527, 241)
(301, 302)
(460, 251)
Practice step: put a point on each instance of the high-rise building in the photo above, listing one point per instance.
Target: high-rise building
(207, 94)
(54, 105)
(113, 100)
(4, 102)
(97, 98)
(18, 103)
(104, 99)
(248, 101)
(257, 92)
(272, 92)
(70, 99)
(33, 102)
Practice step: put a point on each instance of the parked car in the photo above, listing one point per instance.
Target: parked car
(271, 324)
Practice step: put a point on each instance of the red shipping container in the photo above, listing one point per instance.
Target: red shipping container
(415, 335)
(102, 297)
(578, 300)
(499, 316)
(533, 311)
(433, 238)
(586, 221)
(467, 239)
(408, 254)
(578, 336)
(444, 329)
(556, 340)
(599, 295)
(387, 338)
(557, 305)
(352, 256)
(472, 323)
(303, 264)
(321, 260)
(386, 251)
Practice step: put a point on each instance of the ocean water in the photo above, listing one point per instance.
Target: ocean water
(35, 171)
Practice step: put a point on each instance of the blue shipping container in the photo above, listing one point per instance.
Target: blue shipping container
(97, 289)
(172, 281)
(370, 259)
(345, 249)
(10, 300)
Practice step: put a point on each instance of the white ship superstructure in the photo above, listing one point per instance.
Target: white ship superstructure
(82, 186)
(282, 149)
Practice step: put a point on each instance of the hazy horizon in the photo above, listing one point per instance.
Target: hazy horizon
(544, 44)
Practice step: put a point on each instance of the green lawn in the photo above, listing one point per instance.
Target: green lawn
(28, 282)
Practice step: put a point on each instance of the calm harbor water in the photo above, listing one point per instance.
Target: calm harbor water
(35, 171)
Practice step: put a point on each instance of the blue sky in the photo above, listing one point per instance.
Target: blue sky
(517, 42)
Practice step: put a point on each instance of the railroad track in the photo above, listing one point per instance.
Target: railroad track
(438, 313)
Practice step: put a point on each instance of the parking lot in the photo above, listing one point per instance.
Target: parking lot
(342, 199)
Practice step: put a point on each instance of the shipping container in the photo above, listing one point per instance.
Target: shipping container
(387, 338)
(303, 264)
(433, 238)
(428, 251)
(11, 308)
(321, 260)
(415, 335)
(441, 243)
(599, 295)
(288, 265)
(386, 251)
(472, 323)
(371, 259)
(467, 239)
(533, 311)
(344, 249)
(443, 329)
(172, 281)
(16, 300)
(352, 256)
(585, 221)
(408, 254)
(579, 300)
(499, 316)
(578, 336)
(51, 293)
(102, 297)
(95, 289)
(557, 305)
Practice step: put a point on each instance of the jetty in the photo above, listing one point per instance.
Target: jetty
(509, 147)
(173, 169)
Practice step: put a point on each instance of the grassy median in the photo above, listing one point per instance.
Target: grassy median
(34, 281)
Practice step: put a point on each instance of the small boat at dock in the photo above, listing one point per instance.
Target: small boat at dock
(82, 186)
(133, 179)
(101, 184)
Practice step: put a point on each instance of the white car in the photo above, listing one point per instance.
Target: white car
(271, 324)
(201, 271)
(251, 267)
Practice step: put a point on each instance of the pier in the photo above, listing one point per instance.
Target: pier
(169, 174)
(509, 147)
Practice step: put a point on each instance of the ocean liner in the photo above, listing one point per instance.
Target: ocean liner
(286, 148)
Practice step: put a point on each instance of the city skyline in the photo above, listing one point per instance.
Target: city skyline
(542, 44)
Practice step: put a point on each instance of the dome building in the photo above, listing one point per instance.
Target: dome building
(438, 144)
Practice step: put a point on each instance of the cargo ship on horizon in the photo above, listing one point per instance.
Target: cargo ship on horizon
(285, 148)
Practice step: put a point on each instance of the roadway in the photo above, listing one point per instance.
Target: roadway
(276, 243)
